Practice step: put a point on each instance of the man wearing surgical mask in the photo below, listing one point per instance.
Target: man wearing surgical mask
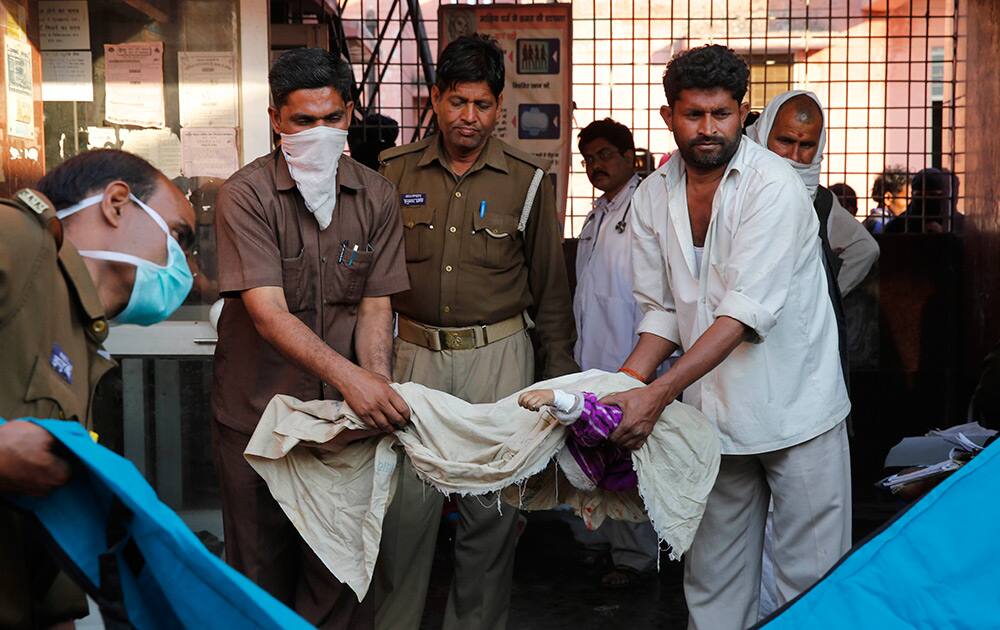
(310, 250)
(104, 238)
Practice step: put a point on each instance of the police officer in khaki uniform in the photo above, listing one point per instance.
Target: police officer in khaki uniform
(57, 284)
(483, 250)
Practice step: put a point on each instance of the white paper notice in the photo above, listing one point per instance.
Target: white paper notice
(161, 147)
(134, 91)
(67, 75)
(64, 25)
(207, 90)
(209, 152)
(20, 105)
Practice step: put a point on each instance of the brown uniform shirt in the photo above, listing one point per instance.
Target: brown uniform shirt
(52, 323)
(469, 267)
(267, 238)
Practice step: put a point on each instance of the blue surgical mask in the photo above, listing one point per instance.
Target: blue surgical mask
(158, 290)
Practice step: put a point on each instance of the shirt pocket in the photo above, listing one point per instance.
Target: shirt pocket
(345, 283)
(298, 290)
(50, 395)
(417, 226)
(496, 241)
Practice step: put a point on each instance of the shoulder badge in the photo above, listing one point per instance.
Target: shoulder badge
(32, 200)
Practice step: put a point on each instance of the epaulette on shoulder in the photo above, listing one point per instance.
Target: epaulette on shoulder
(406, 149)
(526, 157)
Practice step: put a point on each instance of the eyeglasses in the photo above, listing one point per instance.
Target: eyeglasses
(601, 156)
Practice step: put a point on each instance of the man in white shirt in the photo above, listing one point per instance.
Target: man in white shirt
(759, 338)
(607, 314)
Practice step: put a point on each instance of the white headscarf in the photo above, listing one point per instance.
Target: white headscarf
(760, 130)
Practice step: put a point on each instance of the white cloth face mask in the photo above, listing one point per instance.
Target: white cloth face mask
(313, 156)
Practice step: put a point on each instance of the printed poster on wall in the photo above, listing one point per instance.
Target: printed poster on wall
(20, 103)
(64, 25)
(207, 91)
(67, 75)
(133, 92)
(537, 40)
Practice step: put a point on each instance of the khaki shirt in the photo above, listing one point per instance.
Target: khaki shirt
(267, 238)
(52, 323)
(469, 267)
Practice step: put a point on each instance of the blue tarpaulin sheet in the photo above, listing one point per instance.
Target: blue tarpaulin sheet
(937, 565)
(167, 578)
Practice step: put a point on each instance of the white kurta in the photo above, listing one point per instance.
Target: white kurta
(606, 312)
(762, 266)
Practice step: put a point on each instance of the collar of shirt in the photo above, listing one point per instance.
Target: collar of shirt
(622, 198)
(347, 174)
(492, 155)
(674, 175)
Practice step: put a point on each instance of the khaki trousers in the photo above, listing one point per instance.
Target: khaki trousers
(485, 541)
(811, 487)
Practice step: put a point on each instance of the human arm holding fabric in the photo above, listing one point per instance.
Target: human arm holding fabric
(642, 406)
(367, 392)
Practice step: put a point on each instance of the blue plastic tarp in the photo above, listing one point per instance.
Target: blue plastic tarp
(168, 579)
(937, 565)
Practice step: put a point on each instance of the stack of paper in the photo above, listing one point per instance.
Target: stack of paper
(937, 454)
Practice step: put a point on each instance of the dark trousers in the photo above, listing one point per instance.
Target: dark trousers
(262, 544)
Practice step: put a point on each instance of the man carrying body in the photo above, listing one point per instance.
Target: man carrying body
(115, 248)
(727, 266)
(485, 261)
(310, 249)
(607, 314)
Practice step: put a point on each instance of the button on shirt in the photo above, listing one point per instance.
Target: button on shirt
(761, 266)
(607, 314)
(267, 238)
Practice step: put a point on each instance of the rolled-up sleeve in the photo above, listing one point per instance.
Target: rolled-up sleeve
(776, 228)
(247, 245)
(650, 286)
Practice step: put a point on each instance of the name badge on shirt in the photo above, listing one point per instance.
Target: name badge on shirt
(413, 199)
(61, 364)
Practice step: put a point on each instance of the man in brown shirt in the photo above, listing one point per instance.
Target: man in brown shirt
(483, 249)
(57, 289)
(310, 249)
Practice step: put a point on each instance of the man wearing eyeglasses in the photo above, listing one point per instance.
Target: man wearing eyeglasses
(607, 314)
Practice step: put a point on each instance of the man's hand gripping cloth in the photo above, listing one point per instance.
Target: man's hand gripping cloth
(337, 496)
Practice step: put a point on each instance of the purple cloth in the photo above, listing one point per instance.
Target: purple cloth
(604, 463)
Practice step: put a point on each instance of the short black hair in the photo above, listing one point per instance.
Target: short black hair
(613, 131)
(309, 69)
(705, 68)
(86, 172)
(371, 136)
(892, 180)
(847, 197)
(471, 59)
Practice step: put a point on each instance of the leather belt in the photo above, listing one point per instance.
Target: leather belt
(468, 338)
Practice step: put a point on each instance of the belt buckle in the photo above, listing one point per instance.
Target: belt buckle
(464, 339)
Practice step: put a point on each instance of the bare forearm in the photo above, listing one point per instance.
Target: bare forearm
(714, 345)
(300, 345)
(373, 336)
(649, 353)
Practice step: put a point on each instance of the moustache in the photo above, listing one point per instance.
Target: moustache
(707, 140)
(598, 173)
